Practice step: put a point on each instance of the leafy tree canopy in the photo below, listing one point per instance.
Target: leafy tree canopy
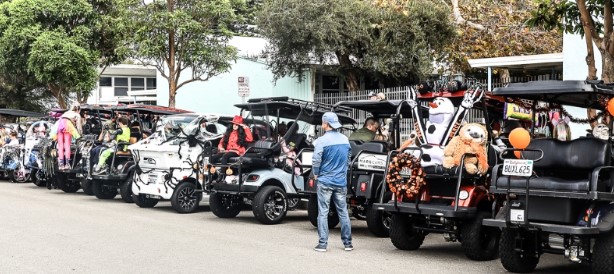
(175, 36)
(352, 37)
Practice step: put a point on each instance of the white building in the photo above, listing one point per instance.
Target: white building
(126, 84)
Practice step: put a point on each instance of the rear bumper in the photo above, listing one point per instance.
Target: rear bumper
(428, 209)
(552, 228)
(110, 179)
(234, 188)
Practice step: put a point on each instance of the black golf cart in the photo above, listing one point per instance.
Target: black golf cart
(367, 167)
(121, 164)
(452, 201)
(263, 175)
(558, 197)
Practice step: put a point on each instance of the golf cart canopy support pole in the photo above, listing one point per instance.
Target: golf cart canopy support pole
(489, 78)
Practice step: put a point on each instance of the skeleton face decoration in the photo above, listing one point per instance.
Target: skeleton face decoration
(601, 131)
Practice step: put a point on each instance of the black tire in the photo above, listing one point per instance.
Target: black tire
(312, 212)
(225, 205)
(144, 202)
(270, 205)
(185, 199)
(511, 259)
(36, 175)
(603, 254)
(125, 190)
(480, 243)
(68, 186)
(402, 233)
(102, 192)
(378, 221)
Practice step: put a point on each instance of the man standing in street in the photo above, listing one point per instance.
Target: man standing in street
(330, 163)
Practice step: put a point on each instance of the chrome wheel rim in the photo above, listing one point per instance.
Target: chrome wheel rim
(275, 205)
(187, 198)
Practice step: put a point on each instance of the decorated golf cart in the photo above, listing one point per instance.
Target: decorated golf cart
(269, 174)
(118, 176)
(15, 161)
(439, 177)
(367, 167)
(169, 163)
(557, 193)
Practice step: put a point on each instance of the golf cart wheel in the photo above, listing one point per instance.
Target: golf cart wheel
(270, 205)
(15, 178)
(86, 185)
(603, 254)
(37, 177)
(511, 259)
(125, 189)
(378, 221)
(185, 198)
(293, 203)
(225, 205)
(312, 212)
(143, 201)
(480, 243)
(402, 233)
(102, 192)
(66, 185)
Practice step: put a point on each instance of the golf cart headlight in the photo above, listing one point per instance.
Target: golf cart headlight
(463, 195)
(119, 167)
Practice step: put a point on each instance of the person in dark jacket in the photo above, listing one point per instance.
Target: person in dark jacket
(330, 160)
(367, 132)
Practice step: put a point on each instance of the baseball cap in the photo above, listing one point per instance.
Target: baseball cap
(331, 119)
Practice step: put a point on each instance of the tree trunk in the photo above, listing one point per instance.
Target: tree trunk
(607, 67)
(58, 94)
(587, 26)
(351, 79)
(172, 73)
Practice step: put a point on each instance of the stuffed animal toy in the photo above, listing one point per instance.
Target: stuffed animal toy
(471, 138)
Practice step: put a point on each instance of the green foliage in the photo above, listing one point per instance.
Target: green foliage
(355, 37)
(57, 45)
(187, 34)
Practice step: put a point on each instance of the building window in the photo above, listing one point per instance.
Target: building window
(121, 86)
(330, 84)
(106, 81)
(151, 83)
(137, 83)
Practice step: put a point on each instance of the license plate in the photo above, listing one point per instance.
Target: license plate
(206, 160)
(523, 168)
(150, 196)
(517, 215)
(152, 178)
(373, 162)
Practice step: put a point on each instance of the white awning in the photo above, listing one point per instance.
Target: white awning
(520, 62)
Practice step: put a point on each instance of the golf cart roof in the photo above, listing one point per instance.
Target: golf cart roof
(382, 109)
(572, 93)
(288, 108)
(19, 113)
(150, 109)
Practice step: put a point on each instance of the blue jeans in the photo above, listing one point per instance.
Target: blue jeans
(325, 193)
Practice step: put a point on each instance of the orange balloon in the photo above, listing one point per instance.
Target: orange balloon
(520, 138)
(518, 154)
(610, 106)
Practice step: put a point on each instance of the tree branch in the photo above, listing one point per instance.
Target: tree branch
(459, 18)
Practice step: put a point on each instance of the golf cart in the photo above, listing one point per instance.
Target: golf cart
(167, 163)
(119, 175)
(264, 176)
(433, 196)
(558, 197)
(71, 180)
(37, 137)
(367, 167)
(14, 160)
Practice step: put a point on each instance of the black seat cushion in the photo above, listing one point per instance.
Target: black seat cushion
(545, 183)
(251, 162)
(584, 153)
(358, 146)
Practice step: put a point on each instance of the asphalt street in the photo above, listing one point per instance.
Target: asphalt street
(49, 231)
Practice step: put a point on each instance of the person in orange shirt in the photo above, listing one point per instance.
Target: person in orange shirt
(234, 142)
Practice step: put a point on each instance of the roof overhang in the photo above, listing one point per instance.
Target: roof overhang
(520, 62)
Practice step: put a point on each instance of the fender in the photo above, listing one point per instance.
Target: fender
(128, 167)
(607, 223)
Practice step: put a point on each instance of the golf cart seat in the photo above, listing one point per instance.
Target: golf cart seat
(373, 146)
(439, 171)
(565, 166)
(258, 154)
(122, 153)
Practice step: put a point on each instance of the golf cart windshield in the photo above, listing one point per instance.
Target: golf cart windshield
(171, 124)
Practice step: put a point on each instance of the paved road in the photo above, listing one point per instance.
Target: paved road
(44, 231)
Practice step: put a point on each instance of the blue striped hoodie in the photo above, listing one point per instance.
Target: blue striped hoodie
(331, 158)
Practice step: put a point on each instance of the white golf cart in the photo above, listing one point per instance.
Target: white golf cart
(167, 160)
